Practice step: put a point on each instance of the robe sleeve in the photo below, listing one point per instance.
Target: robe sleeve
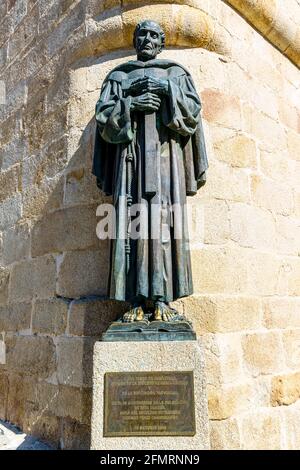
(113, 114)
(183, 106)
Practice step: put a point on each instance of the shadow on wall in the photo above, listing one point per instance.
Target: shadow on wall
(82, 267)
(61, 276)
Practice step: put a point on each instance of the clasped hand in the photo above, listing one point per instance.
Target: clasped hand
(145, 93)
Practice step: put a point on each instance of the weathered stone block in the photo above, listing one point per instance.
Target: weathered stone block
(18, 11)
(3, 394)
(43, 426)
(237, 81)
(276, 165)
(292, 271)
(222, 314)
(3, 9)
(291, 343)
(16, 98)
(16, 243)
(2, 351)
(4, 280)
(10, 211)
(272, 195)
(28, 63)
(71, 282)
(9, 129)
(76, 404)
(280, 167)
(92, 317)
(24, 34)
(282, 312)
(232, 399)
(212, 360)
(38, 84)
(230, 357)
(9, 182)
(216, 222)
(21, 398)
(15, 317)
(265, 100)
(261, 430)
(63, 401)
(219, 270)
(261, 387)
(58, 94)
(263, 353)
(238, 150)
(50, 316)
(221, 108)
(95, 7)
(293, 142)
(6, 29)
(14, 151)
(30, 278)
(80, 188)
(288, 114)
(264, 281)
(75, 436)
(263, 128)
(252, 227)
(40, 136)
(33, 354)
(292, 418)
(58, 37)
(80, 117)
(218, 187)
(288, 235)
(74, 366)
(48, 163)
(211, 72)
(225, 435)
(38, 199)
(3, 55)
(65, 230)
(54, 8)
(80, 151)
(297, 204)
(47, 398)
(285, 389)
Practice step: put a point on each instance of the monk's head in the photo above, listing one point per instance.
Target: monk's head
(148, 40)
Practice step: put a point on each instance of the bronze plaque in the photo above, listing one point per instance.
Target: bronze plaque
(149, 404)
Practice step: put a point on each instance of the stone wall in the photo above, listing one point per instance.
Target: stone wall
(54, 55)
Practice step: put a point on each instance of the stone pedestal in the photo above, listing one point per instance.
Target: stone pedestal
(150, 356)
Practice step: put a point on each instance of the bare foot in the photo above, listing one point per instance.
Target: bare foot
(164, 312)
(134, 314)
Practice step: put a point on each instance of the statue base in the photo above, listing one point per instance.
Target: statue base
(149, 395)
(150, 331)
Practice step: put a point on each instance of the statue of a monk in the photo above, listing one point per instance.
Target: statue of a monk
(150, 151)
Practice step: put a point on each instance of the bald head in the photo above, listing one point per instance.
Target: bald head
(148, 40)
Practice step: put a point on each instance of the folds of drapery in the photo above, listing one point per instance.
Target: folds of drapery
(180, 112)
(158, 269)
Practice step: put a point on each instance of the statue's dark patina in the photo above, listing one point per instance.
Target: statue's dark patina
(150, 149)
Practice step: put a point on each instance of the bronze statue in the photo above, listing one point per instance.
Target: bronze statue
(150, 150)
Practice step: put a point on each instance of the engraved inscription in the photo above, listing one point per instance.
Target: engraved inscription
(149, 404)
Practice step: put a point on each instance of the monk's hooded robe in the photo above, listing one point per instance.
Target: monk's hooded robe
(145, 268)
